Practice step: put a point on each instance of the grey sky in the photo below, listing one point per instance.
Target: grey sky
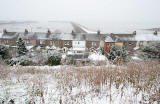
(85, 11)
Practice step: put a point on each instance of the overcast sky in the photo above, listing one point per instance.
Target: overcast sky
(91, 11)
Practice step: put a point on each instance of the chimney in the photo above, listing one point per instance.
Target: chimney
(48, 32)
(155, 33)
(134, 32)
(4, 31)
(25, 31)
(84, 37)
(98, 32)
(73, 33)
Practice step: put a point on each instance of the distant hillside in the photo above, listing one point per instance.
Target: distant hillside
(154, 29)
(15, 22)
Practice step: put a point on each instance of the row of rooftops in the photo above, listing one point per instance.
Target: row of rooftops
(80, 36)
(53, 36)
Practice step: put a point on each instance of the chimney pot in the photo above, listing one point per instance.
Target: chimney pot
(48, 32)
(73, 33)
(155, 33)
(134, 32)
(25, 31)
(4, 31)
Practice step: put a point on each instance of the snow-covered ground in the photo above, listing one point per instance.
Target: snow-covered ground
(74, 85)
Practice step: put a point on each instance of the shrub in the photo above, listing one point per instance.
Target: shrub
(4, 52)
(102, 51)
(26, 63)
(151, 52)
(54, 60)
(118, 52)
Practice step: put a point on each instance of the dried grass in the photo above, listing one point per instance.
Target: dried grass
(143, 76)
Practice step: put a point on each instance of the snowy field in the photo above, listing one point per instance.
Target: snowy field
(134, 83)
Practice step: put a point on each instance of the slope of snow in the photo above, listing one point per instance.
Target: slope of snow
(88, 31)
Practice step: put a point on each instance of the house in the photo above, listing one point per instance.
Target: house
(8, 38)
(146, 39)
(109, 42)
(79, 39)
(122, 40)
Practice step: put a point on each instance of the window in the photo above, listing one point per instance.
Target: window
(66, 43)
(6, 41)
(130, 43)
(141, 43)
(42, 41)
(94, 44)
(51, 42)
(28, 41)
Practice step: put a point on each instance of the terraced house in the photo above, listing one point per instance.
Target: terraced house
(79, 39)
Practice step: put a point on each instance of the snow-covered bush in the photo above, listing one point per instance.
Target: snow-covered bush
(54, 60)
(118, 52)
(102, 51)
(54, 57)
(26, 63)
(151, 52)
(97, 58)
(34, 58)
(4, 52)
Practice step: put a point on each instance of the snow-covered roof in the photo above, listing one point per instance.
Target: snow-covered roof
(63, 36)
(81, 29)
(41, 36)
(30, 36)
(109, 39)
(10, 35)
(79, 37)
(54, 26)
(132, 37)
(122, 37)
(93, 37)
(147, 37)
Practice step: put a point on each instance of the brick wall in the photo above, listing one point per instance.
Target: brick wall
(90, 44)
(130, 45)
(108, 46)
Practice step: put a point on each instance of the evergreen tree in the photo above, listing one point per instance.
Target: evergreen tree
(21, 47)
(118, 52)
(4, 52)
